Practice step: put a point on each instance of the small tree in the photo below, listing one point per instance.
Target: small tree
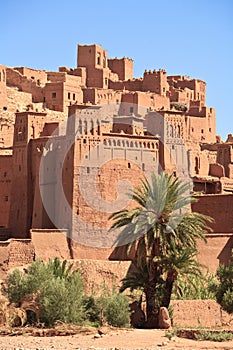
(158, 221)
(224, 288)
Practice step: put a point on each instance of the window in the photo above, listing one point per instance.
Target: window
(54, 95)
(88, 170)
(202, 131)
(106, 81)
(73, 96)
(6, 198)
(131, 109)
(129, 165)
(164, 89)
(68, 95)
(5, 174)
(143, 166)
(98, 59)
(209, 129)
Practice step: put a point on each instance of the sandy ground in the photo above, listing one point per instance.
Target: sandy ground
(120, 339)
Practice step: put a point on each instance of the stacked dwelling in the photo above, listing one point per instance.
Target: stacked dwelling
(72, 142)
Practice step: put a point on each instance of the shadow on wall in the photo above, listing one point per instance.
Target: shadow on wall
(225, 254)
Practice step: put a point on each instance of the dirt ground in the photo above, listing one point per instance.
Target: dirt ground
(115, 339)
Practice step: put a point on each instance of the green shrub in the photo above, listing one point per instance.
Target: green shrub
(194, 287)
(61, 295)
(214, 336)
(224, 287)
(117, 310)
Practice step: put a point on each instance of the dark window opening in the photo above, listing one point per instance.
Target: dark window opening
(68, 95)
(5, 174)
(131, 110)
(196, 165)
(54, 94)
(164, 89)
(202, 131)
(98, 60)
(129, 165)
(73, 96)
(88, 170)
(209, 129)
(143, 166)
(6, 198)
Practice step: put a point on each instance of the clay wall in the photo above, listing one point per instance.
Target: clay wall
(123, 67)
(181, 95)
(54, 96)
(39, 76)
(198, 313)
(49, 244)
(79, 72)
(100, 77)
(153, 101)
(3, 93)
(5, 188)
(121, 158)
(92, 56)
(225, 158)
(16, 79)
(197, 86)
(17, 101)
(217, 206)
(130, 85)
(201, 128)
(216, 251)
(198, 162)
(6, 133)
(155, 81)
(101, 96)
(27, 125)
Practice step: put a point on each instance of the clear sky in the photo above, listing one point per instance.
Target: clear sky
(188, 37)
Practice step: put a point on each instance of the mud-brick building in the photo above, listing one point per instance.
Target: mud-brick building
(73, 142)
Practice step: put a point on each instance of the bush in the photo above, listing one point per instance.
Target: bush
(117, 311)
(194, 287)
(214, 336)
(60, 295)
(224, 288)
(61, 298)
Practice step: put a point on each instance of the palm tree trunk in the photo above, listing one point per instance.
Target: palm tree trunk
(152, 307)
(171, 277)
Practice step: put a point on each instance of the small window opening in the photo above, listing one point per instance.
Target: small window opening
(129, 165)
(68, 95)
(73, 96)
(54, 95)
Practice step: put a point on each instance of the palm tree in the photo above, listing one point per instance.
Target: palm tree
(160, 219)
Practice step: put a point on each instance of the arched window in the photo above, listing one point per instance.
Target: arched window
(80, 128)
(85, 127)
(98, 127)
(92, 127)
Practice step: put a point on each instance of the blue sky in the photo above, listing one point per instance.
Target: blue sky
(192, 38)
